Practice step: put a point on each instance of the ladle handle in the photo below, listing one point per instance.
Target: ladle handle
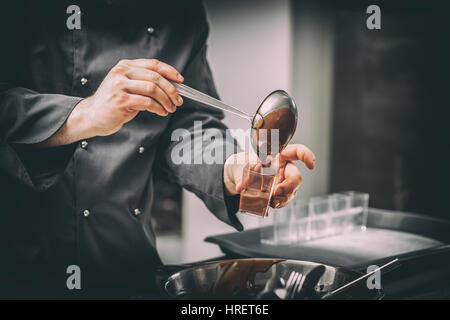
(198, 96)
(386, 268)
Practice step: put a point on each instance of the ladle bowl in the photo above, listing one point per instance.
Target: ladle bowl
(274, 124)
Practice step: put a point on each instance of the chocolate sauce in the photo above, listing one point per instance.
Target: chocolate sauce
(236, 276)
(254, 201)
(257, 185)
(282, 119)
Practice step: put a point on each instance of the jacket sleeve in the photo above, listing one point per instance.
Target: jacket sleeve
(196, 129)
(28, 117)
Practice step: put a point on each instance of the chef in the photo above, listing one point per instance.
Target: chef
(86, 116)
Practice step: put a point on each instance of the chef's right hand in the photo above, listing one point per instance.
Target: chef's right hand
(130, 87)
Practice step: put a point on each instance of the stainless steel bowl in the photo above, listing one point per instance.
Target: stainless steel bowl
(245, 278)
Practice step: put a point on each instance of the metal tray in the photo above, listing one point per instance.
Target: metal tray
(422, 244)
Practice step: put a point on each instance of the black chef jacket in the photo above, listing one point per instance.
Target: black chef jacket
(77, 204)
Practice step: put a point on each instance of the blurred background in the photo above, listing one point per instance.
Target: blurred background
(373, 104)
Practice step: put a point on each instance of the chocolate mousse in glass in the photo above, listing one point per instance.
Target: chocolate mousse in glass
(258, 183)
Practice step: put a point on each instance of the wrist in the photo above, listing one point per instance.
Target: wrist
(79, 123)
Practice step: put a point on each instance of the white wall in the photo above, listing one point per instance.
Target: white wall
(312, 84)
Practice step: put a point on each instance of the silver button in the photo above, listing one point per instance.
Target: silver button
(83, 81)
(150, 30)
(86, 213)
(141, 150)
(84, 144)
(137, 212)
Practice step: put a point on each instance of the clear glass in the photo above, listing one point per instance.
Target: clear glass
(359, 209)
(318, 217)
(284, 230)
(320, 211)
(266, 230)
(301, 213)
(258, 183)
(340, 220)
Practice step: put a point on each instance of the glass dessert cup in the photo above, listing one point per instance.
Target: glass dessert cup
(258, 183)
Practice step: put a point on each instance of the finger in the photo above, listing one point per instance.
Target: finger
(151, 89)
(242, 178)
(241, 164)
(279, 201)
(152, 76)
(155, 65)
(142, 103)
(294, 152)
(280, 174)
(292, 180)
(255, 166)
(238, 185)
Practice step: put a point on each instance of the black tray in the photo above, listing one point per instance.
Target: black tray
(422, 244)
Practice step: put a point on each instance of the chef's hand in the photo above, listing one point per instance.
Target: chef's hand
(130, 86)
(289, 177)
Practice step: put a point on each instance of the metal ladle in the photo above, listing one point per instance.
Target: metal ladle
(277, 111)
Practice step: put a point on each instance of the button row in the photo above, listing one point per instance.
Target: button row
(84, 144)
(136, 212)
(150, 30)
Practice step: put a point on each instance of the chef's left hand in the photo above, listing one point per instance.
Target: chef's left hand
(289, 177)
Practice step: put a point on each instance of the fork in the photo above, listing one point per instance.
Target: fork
(294, 282)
